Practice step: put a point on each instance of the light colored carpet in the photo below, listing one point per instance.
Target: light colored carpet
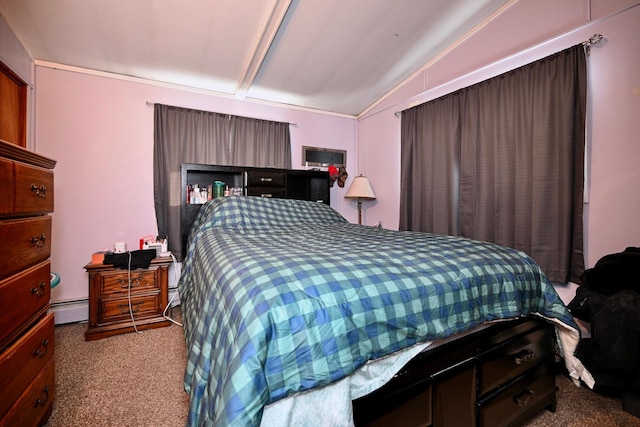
(136, 380)
(126, 380)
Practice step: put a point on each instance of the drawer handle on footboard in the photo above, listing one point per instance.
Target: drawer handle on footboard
(42, 350)
(39, 290)
(521, 399)
(264, 179)
(266, 195)
(523, 357)
(40, 191)
(44, 396)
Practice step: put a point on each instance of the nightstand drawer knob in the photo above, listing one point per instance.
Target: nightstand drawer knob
(42, 350)
(266, 179)
(524, 356)
(135, 281)
(135, 307)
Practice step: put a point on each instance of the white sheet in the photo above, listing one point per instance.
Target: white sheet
(331, 406)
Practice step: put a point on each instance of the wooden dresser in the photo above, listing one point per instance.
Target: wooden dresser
(116, 295)
(27, 386)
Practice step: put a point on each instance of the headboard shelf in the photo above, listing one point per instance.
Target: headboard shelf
(252, 181)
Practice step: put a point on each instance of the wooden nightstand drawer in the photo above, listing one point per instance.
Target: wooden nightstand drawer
(20, 364)
(31, 243)
(515, 357)
(23, 297)
(117, 310)
(116, 282)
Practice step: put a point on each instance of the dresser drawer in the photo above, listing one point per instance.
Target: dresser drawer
(22, 297)
(30, 240)
(276, 193)
(116, 282)
(117, 310)
(266, 179)
(21, 362)
(33, 189)
(34, 405)
(527, 395)
(515, 357)
(6, 189)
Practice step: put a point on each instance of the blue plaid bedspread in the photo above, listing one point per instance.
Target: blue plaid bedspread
(281, 296)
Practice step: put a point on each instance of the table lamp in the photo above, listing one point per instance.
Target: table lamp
(360, 189)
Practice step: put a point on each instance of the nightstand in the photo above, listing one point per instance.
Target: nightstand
(121, 301)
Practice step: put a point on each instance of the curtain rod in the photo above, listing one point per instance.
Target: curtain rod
(152, 104)
(595, 40)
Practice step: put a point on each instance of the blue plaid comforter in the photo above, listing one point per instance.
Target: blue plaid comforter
(281, 296)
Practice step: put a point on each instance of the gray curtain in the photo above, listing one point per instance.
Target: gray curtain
(184, 135)
(521, 138)
(430, 166)
(260, 143)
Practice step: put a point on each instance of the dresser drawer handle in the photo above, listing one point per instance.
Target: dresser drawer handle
(266, 179)
(523, 398)
(39, 241)
(40, 191)
(524, 356)
(42, 350)
(39, 290)
(266, 195)
(44, 396)
(124, 283)
(135, 307)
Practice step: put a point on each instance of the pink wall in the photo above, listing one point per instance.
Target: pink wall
(528, 31)
(100, 130)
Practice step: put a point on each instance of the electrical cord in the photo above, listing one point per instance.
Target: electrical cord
(133, 321)
(175, 276)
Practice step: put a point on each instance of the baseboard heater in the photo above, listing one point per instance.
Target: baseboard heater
(76, 311)
(70, 311)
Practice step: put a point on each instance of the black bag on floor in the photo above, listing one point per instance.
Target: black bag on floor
(612, 355)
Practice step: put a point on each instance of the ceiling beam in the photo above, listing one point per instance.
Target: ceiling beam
(261, 47)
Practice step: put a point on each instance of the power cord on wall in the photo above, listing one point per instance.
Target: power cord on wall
(175, 276)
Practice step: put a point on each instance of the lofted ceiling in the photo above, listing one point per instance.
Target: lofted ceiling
(338, 56)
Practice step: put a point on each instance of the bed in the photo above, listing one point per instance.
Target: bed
(285, 299)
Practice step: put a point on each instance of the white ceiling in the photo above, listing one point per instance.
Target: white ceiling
(339, 56)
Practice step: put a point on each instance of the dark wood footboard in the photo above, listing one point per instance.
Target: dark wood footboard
(500, 375)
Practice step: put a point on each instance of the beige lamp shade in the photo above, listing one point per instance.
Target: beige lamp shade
(360, 189)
